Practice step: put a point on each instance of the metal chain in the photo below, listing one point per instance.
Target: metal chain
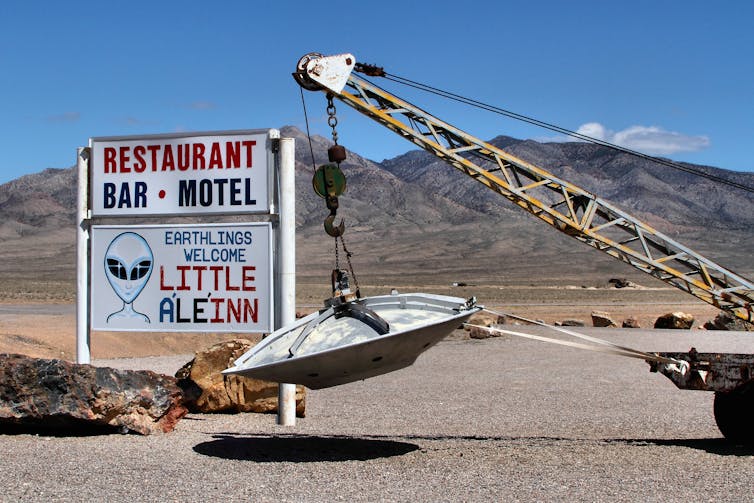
(332, 120)
(348, 259)
(337, 257)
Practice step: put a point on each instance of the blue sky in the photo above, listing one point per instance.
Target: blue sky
(674, 78)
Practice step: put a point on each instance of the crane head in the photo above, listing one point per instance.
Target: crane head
(316, 72)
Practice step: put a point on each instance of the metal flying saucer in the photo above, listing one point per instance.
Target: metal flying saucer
(354, 341)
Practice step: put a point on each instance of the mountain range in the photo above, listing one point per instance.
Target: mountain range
(414, 215)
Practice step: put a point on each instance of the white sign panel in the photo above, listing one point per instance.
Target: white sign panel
(195, 278)
(201, 173)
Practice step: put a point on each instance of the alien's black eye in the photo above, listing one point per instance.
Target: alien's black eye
(116, 268)
(141, 269)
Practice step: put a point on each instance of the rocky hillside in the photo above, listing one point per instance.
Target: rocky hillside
(416, 215)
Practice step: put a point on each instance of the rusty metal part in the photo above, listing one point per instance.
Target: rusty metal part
(369, 70)
(336, 153)
(302, 77)
(722, 372)
(331, 229)
(341, 288)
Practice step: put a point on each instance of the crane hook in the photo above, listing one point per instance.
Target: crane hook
(331, 229)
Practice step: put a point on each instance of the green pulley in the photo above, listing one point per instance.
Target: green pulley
(329, 181)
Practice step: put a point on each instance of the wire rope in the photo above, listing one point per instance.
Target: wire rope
(562, 130)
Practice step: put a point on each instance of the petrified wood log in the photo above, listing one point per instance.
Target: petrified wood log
(68, 398)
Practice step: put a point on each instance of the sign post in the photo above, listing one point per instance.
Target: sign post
(83, 352)
(287, 266)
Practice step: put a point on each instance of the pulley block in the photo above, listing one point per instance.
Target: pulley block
(329, 181)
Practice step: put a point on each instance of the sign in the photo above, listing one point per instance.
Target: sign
(199, 173)
(198, 278)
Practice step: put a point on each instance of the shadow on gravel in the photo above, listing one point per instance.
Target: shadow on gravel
(718, 446)
(301, 448)
(53, 430)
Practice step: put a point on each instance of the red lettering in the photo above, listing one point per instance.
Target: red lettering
(228, 286)
(199, 269)
(234, 310)
(215, 158)
(124, 159)
(154, 149)
(162, 281)
(198, 156)
(140, 165)
(232, 154)
(168, 163)
(247, 279)
(184, 156)
(217, 301)
(248, 310)
(110, 165)
(248, 144)
(183, 269)
(216, 270)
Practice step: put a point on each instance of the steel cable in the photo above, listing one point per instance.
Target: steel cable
(568, 132)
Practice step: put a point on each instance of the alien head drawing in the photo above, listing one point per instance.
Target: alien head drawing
(128, 265)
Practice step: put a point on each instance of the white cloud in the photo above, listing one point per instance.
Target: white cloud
(652, 140)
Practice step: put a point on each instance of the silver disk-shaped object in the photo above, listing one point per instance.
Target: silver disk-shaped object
(340, 345)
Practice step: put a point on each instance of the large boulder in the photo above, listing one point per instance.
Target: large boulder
(207, 390)
(59, 396)
(676, 320)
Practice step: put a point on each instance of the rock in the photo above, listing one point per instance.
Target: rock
(485, 319)
(480, 333)
(208, 390)
(631, 322)
(726, 321)
(618, 282)
(622, 283)
(602, 319)
(572, 323)
(676, 320)
(55, 395)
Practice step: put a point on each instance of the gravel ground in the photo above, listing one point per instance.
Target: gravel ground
(495, 419)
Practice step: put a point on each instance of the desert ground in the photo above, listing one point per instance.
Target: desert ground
(40, 319)
(502, 419)
(472, 420)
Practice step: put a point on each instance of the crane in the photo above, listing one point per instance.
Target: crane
(566, 207)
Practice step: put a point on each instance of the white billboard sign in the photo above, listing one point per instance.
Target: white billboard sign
(194, 278)
(182, 174)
